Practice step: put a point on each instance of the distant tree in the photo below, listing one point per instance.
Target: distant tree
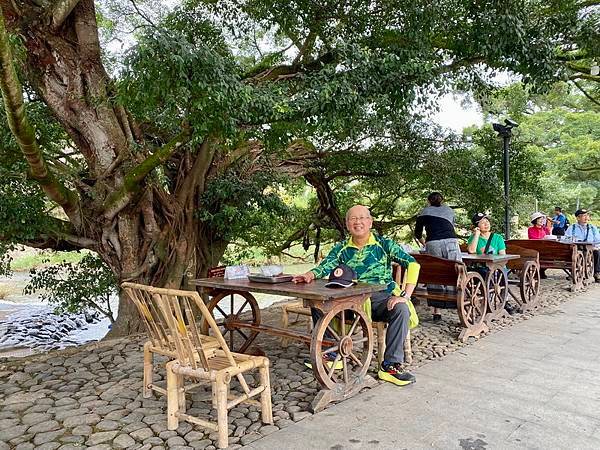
(132, 161)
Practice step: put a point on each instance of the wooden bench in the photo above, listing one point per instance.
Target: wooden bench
(469, 295)
(526, 269)
(558, 255)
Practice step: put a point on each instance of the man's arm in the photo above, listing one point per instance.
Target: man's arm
(569, 231)
(419, 229)
(398, 255)
(329, 263)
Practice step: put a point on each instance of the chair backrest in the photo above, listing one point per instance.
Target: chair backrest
(171, 317)
(526, 254)
(399, 275)
(435, 270)
(548, 250)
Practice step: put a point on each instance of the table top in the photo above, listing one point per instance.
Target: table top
(556, 241)
(488, 258)
(311, 291)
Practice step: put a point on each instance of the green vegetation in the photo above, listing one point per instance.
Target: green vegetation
(257, 123)
(44, 259)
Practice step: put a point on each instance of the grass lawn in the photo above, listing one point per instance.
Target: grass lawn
(34, 260)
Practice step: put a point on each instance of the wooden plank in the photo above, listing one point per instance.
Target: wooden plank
(470, 257)
(276, 331)
(424, 293)
(312, 291)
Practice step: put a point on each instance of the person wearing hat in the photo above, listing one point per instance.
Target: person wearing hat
(483, 241)
(540, 226)
(584, 231)
(367, 257)
(539, 229)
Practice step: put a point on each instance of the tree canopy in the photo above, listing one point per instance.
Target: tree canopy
(157, 157)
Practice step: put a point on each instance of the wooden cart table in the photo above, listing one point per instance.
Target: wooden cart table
(464, 290)
(575, 258)
(524, 273)
(496, 281)
(240, 324)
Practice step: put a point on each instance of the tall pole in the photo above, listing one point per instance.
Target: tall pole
(506, 139)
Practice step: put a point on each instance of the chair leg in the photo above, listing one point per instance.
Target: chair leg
(284, 324)
(380, 327)
(408, 349)
(181, 394)
(172, 397)
(265, 396)
(222, 413)
(148, 370)
(213, 387)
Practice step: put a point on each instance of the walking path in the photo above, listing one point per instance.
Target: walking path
(534, 380)
(535, 385)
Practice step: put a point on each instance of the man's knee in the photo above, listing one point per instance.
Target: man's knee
(400, 311)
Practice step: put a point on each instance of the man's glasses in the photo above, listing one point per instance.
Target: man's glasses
(358, 219)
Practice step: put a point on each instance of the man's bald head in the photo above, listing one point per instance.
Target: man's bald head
(358, 211)
(359, 221)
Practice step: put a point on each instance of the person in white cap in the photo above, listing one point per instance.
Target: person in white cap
(540, 226)
(539, 229)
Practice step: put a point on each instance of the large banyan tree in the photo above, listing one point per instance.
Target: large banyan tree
(157, 159)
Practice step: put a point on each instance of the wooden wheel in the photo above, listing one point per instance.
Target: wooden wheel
(530, 283)
(579, 272)
(230, 307)
(589, 265)
(497, 287)
(472, 301)
(351, 344)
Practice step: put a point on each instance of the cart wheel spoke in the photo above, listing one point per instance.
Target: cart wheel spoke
(353, 327)
(345, 368)
(241, 308)
(335, 348)
(218, 308)
(355, 359)
(332, 368)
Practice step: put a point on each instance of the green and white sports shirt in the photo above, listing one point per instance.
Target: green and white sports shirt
(372, 263)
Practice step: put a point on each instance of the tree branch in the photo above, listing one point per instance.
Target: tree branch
(131, 185)
(24, 133)
(590, 98)
(60, 11)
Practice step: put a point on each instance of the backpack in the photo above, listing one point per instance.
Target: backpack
(567, 223)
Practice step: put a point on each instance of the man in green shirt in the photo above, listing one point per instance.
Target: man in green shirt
(371, 256)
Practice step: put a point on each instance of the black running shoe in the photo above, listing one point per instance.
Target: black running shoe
(394, 373)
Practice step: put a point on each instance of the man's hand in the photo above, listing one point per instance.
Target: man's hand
(307, 277)
(393, 301)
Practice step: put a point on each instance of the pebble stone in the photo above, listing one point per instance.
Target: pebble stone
(91, 395)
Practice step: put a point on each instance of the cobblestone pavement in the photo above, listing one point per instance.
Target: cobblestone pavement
(90, 397)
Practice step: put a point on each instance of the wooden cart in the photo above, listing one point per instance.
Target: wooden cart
(496, 280)
(576, 259)
(526, 273)
(238, 315)
(469, 291)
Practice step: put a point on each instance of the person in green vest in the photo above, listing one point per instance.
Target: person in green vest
(485, 242)
(371, 257)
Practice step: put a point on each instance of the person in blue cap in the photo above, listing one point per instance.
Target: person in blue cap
(371, 257)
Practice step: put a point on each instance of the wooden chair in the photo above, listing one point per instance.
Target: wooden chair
(207, 363)
(160, 342)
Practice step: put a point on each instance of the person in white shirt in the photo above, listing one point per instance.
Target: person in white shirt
(583, 231)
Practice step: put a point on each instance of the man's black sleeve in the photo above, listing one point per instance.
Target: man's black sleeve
(419, 227)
